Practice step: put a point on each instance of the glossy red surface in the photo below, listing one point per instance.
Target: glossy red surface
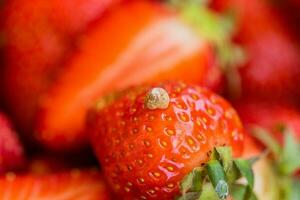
(146, 153)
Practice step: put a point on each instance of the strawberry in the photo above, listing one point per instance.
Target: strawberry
(45, 163)
(11, 152)
(155, 44)
(38, 36)
(149, 137)
(272, 117)
(276, 127)
(272, 69)
(76, 184)
(289, 10)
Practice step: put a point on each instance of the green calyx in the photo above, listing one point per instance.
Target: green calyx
(218, 29)
(217, 179)
(285, 161)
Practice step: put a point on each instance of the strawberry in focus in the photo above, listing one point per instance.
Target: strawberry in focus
(38, 36)
(137, 42)
(75, 184)
(11, 151)
(149, 137)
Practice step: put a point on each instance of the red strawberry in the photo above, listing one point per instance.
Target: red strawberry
(154, 44)
(150, 137)
(11, 151)
(290, 12)
(252, 147)
(276, 127)
(44, 163)
(39, 35)
(271, 117)
(76, 184)
(273, 67)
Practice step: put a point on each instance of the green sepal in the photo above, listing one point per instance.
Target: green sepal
(193, 181)
(290, 155)
(217, 177)
(295, 191)
(214, 179)
(263, 136)
(208, 192)
(288, 159)
(242, 192)
(244, 167)
(224, 154)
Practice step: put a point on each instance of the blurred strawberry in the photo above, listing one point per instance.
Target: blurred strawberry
(150, 137)
(45, 162)
(273, 67)
(11, 151)
(290, 12)
(138, 42)
(276, 127)
(294, 3)
(76, 184)
(38, 36)
(271, 117)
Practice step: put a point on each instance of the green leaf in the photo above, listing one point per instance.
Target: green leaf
(224, 154)
(211, 182)
(295, 192)
(263, 136)
(192, 182)
(242, 192)
(208, 193)
(245, 169)
(217, 177)
(208, 24)
(290, 159)
(238, 191)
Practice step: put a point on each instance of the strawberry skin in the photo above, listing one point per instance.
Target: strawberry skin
(270, 117)
(272, 70)
(75, 185)
(11, 152)
(38, 36)
(146, 152)
(155, 45)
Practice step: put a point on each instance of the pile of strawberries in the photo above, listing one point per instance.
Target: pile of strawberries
(125, 99)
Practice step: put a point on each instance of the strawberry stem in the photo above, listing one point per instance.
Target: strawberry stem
(217, 177)
(216, 180)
